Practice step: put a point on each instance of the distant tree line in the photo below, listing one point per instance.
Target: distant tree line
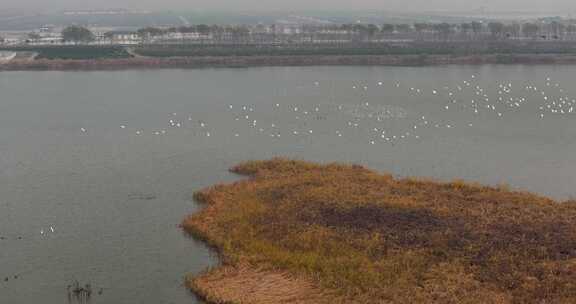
(554, 30)
(77, 34)
(74, 33)
(341, 33)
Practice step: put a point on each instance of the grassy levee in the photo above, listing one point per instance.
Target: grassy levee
(193, 51)
(74, 52)
(456, 48)
(299, 232)
(506, 49)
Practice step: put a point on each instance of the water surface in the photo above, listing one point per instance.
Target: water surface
(109, 160)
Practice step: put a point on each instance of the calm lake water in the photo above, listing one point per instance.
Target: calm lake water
(98, 168)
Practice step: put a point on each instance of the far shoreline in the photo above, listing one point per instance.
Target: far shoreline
(289, 60)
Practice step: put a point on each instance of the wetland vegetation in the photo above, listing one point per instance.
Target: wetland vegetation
(344, 233)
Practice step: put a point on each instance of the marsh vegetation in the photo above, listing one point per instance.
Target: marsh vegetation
(364, 237)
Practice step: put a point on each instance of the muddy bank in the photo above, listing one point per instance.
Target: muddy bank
(247, 61)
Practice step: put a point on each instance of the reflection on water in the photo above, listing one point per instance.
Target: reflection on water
(97, 168)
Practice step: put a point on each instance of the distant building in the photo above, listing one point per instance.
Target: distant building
(106, 12)
(6, 56)
(187, 36)
(262, 29)
(286, 28)
(11, 41)
(48, 40)
(123, 37)
(47, 29)
(333, 32)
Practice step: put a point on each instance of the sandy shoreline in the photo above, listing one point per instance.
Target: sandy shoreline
(249, 61)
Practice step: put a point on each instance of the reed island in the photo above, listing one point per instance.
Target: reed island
(300, 232)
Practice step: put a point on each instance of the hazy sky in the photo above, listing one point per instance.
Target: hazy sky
(405, 5)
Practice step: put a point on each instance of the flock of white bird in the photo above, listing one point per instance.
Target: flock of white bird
(377, 121)
(43, 232)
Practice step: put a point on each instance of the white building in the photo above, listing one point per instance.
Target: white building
(6, 56)
(12, 41)
(123, 37)
(187, 36)
(286, 28)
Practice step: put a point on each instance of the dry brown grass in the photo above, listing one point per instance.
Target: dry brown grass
(298, 228)
(247, 284)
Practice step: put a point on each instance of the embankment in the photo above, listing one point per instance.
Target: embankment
(249, 61)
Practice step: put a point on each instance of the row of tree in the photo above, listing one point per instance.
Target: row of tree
(202, 29)
(73, 33)
(494, 29)
(423, 31)
(552, 30)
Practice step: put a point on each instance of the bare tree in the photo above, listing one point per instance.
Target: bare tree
(530, 30)
(496, 29)
(388, 28)
(512, 30)
(77, 34)
(465, 29)
(443, 30)
(571, 30)
(421, 28)
(477, 28)
(556, 30)
(33, 36)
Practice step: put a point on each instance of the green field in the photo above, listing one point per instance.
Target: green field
(195, 51)
(419, 48)
(415, 48)
(75, 52)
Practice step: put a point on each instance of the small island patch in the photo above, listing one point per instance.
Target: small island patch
(300, 232)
